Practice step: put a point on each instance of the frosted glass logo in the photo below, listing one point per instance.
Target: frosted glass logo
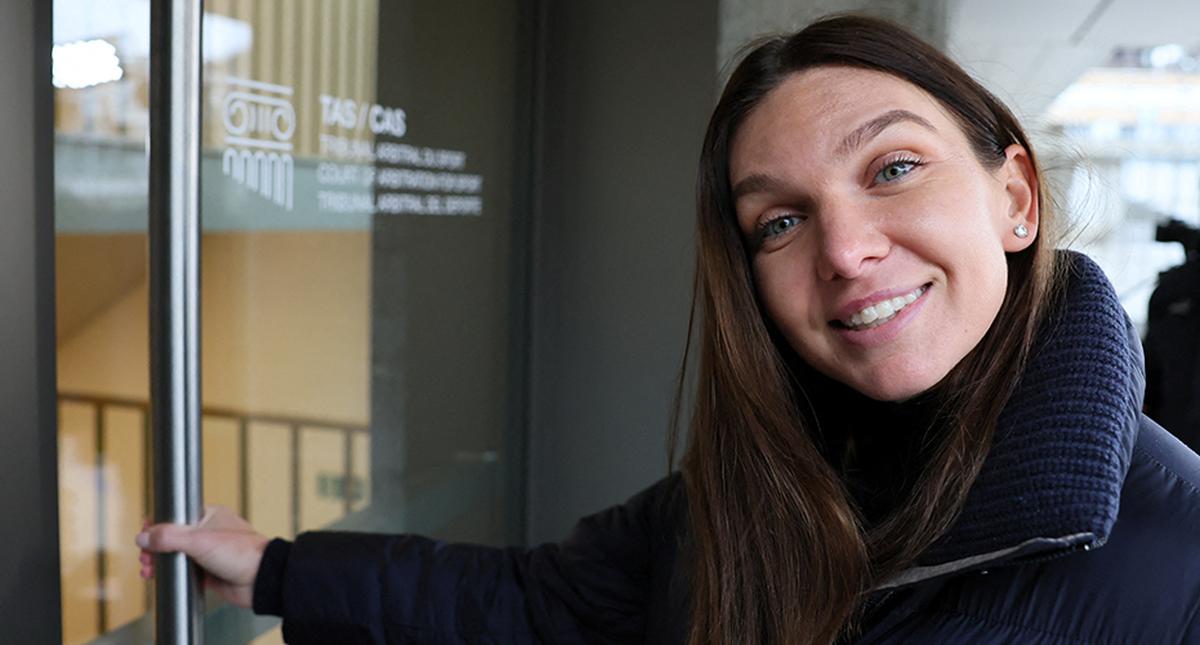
(259, 123)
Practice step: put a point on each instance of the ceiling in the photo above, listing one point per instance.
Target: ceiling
(1028, 51)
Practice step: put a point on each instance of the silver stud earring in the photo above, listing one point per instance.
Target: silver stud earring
(1021, 231)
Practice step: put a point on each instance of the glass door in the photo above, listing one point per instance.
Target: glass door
(362, 289)
(100, 68)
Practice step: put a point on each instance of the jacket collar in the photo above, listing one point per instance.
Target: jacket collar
(1063, 444)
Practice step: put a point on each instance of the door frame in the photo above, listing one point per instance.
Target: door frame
(30, 607)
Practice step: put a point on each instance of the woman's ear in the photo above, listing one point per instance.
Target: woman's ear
(1020, 227)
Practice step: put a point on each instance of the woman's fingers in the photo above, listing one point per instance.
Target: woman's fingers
(238, 594)
(145, 558)
(169, 538)
(222, 543)
(165, 538)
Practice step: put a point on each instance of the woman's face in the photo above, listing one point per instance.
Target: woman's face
(878, 240)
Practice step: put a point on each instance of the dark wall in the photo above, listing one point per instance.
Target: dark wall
(447, 303)
(628, 89)
(29, 594)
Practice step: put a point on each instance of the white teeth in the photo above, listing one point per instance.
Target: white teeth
(881, 312)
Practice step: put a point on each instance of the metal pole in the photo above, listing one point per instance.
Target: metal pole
(175, 304)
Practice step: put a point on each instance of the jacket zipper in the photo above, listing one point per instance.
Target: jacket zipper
(873, 603)
(1036, 559)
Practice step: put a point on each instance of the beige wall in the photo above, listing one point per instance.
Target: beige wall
(285, 324)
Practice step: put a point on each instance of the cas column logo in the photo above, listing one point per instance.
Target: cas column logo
(259, 123)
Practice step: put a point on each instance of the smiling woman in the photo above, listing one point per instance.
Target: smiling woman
(895, 372)
(852, 221)
(915, 421)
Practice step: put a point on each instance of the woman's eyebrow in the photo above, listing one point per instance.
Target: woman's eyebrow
(871, 129)
(757, 183)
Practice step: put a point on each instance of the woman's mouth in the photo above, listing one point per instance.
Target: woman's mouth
(880, 312)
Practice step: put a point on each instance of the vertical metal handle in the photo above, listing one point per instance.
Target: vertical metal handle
(175, 65)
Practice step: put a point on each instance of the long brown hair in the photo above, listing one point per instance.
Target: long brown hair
(778, 550)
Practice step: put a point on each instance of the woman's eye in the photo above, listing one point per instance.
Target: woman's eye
(895, 170)
(778, 226)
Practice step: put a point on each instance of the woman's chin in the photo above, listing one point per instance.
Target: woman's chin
(891, 388)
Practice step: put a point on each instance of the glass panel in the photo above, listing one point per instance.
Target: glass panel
(358, 269)
(100, 76)
(359, 281)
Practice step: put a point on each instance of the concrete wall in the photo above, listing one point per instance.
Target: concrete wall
(447, 293)
(743, 20)
(629, 86)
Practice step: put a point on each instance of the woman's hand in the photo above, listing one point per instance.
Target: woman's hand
(223, 544)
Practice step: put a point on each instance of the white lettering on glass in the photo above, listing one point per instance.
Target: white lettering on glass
(349, 114)
(358, 174)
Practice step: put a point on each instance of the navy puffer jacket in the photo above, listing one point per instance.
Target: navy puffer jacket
(1083, 527)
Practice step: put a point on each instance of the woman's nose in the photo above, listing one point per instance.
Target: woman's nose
(850, 242)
